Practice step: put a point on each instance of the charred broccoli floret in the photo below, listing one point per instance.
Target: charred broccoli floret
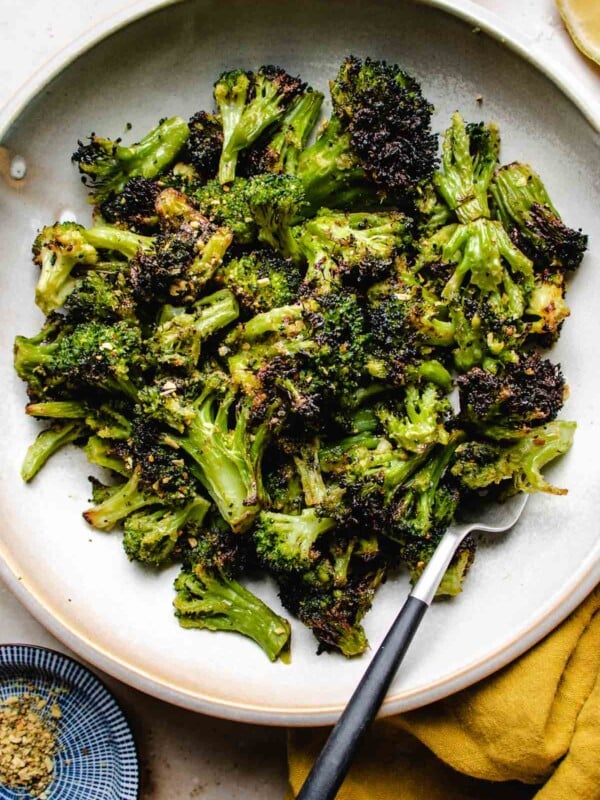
(106, 165)
(379, 134)
(134, 207)
(526, 211)
(524, 395)
(184, 256)
(204, 144)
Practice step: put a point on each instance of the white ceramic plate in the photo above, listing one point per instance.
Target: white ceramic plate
(77, 581)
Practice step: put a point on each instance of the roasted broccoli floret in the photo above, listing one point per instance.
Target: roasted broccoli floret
(418, 552)
(469, 157)
(107, 165)
(286, 542)
(101, 296)
(178, 338)
(276, 203)
(207, 598)
(228, 206)
(100, 357)
(204, 144)
(281, 151)
(423, 423)
(134, 207)
(426, 505)
(526, 211)
(184, 256)
(334, 612)
(482, 464)
(261, 280)
(379, 134)
(124, 500)
(523, 395)
(248, 104)
(152, 536)
(356, 248)
(228, 458)
(61, 249)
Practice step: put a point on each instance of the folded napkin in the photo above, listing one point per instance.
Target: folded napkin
(531, 730)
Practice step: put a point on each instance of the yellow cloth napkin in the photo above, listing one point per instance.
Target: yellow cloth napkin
(531, 730)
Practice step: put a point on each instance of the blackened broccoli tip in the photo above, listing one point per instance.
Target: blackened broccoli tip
(107, 165)
(523, 395)
(522, 203)
(389, 122)
(134, 207)
(204, 145)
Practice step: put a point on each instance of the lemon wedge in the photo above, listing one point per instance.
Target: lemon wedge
(582, 18)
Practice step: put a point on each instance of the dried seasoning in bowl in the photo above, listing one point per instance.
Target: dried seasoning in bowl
(28, 741)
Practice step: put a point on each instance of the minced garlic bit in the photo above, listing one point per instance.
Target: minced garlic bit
(28, 742)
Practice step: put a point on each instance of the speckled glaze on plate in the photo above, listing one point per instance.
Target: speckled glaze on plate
(77, 581)
(96, 757)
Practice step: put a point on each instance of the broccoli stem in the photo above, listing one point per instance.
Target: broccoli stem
(211, 600)
(46, 444)
(57, 409)
(98, 451)
(127, 499)
(105, 237)
(296, 126)
(329, 168)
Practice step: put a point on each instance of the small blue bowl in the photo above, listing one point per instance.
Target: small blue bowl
(97, 757)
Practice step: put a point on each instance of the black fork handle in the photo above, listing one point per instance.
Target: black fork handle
(333, 763)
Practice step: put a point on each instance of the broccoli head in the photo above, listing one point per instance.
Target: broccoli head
(379, 134)
(261, 280)
(249, 103)
(523, 395)
(207, 598)
(516, 466)
(107, 165)
(526, 211)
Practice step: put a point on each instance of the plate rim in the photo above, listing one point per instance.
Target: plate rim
(554, 612)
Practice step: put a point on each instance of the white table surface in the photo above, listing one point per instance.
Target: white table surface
(187, 755)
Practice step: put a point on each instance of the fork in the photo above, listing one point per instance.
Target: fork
(333, 763)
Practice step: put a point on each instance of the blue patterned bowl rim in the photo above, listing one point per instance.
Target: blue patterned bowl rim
(51, 664)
